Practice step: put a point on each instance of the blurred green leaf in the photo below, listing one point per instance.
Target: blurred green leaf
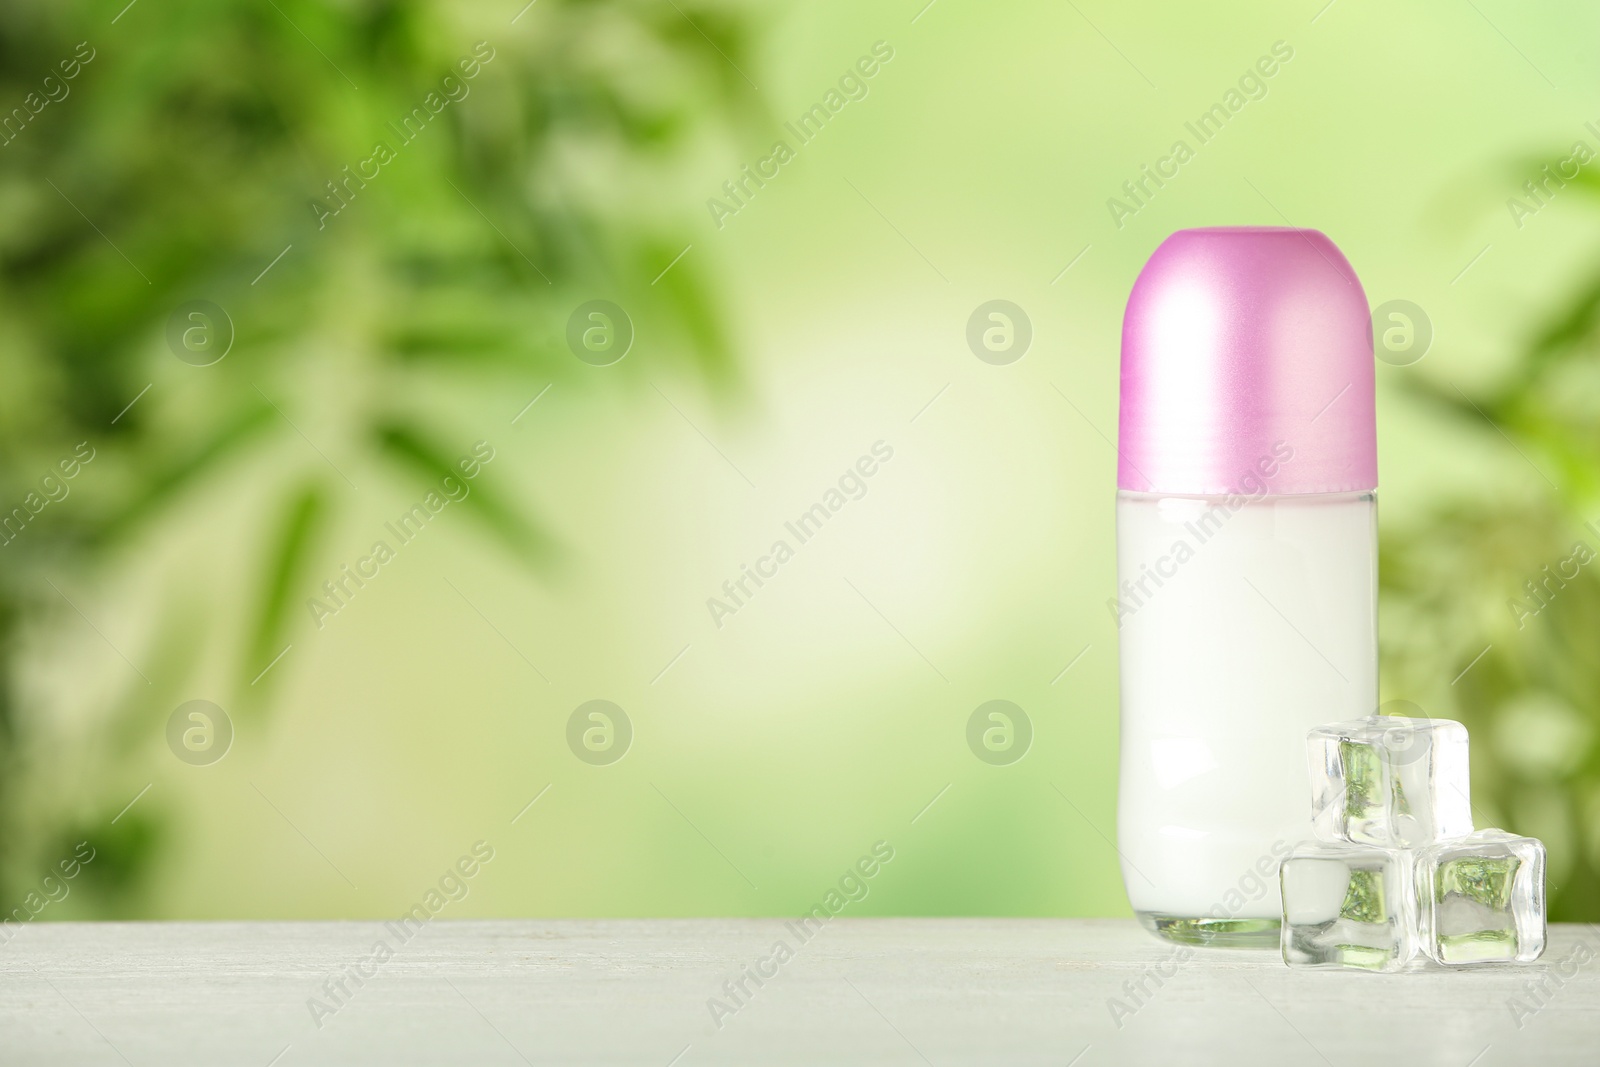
(284, 570)
(172, 477)
(411, 449)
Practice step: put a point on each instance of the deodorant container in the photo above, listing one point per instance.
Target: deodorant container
(1246, 606)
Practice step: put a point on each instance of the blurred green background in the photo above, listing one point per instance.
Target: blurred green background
(772, 347)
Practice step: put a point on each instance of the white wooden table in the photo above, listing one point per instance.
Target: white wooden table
(889, 991)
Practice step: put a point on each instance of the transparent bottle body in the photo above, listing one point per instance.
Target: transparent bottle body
(1241, 624)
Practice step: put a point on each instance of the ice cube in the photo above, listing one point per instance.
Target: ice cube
(1481, 899)
(1389, 780)
(1348, 906)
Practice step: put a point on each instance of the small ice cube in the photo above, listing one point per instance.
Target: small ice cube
(1389, 780)
(1348, 906)
(1482, 899)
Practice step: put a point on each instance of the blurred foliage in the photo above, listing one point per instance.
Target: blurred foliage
(193, 144)
(190, 158)
(1491, 607)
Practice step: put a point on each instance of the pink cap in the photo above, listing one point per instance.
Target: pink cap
(1247, 360)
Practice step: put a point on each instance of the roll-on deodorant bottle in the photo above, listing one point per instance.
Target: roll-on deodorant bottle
(1247, 565)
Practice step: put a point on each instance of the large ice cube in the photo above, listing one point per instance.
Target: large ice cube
(1390, 780)
(1348, 906)
(1481, 899)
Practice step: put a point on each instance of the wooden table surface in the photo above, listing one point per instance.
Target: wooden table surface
(879, 991)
